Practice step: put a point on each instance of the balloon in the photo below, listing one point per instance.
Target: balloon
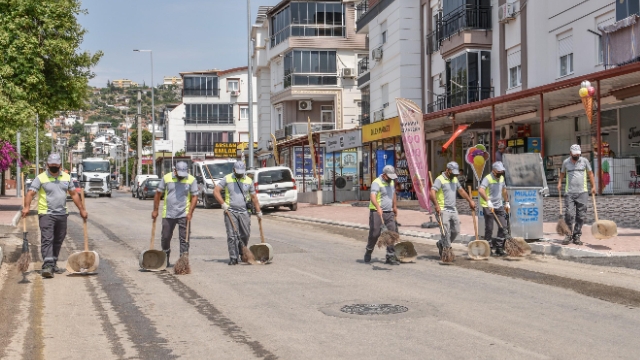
(583, 92)
(587, 84)
(477, 152)
(478, 161)
(583, 84)
(481, 147)
(591, 90)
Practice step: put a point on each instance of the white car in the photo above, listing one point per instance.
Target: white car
(135, 186)
(275, 187)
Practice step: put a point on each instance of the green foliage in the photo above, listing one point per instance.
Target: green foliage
(41, 68)
(77, 128)
(88, 150)
(146, 139)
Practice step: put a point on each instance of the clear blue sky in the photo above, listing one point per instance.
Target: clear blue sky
(185, 35)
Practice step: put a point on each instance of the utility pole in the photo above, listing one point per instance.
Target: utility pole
(37, 145)
(126, 123)
(139, 132)
(153, 111)
(18, 170)
(250, 84)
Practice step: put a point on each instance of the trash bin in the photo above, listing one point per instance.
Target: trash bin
(527, 186)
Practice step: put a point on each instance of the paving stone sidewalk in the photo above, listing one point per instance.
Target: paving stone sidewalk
(626, 243)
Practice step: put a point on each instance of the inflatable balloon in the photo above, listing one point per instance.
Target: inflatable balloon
(583, 92)
(583, 84)
(478, 160)
(481, 147)
(591, 90)
(587, 84)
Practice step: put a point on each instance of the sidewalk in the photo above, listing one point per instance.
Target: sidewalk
(10, 205)
(626, 243)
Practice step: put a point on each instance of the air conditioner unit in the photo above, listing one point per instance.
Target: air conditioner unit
(378, 115)
(304, 105)
(348, 73)
(507, 132)
(506, 12)
(235, 93)
(376, 54)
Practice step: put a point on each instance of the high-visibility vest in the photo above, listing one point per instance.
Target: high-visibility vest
(43, 204)
(440, 192)
(168, 178)
(492, 181)
(379, 194)
(230, 179)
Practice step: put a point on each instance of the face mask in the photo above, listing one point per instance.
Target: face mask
(238, 176)
(54, 169)
(575, 157)
(499, 174)
(180, 178)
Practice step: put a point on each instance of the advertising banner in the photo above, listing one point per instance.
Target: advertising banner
(348, 140)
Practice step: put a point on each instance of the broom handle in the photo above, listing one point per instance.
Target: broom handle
(560, 197)
(595, 209)
(473, 215)
(261, 233)
(24, 205)
(188, 228)
(84, 225)
(231, 221)
(498, 221)
(153, 234)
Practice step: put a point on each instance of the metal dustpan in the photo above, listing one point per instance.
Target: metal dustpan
(602, 229)
(263, 252)
(83, 262)
(405, 252)
(153, 260)
(477, 249)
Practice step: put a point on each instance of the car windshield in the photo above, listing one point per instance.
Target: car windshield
(219, 170)
(274, 176)
(102, 166)
(153, 182)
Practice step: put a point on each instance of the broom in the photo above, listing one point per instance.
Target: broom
(246, 256)
(387, 237)
(182, 266)
(562, 228)
(511, 246)
(25, 257)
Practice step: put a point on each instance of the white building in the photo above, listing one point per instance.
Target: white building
(214, 109)
(305, 57)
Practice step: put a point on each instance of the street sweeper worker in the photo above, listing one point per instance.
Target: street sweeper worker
(239, 194)
(180, 199)
(52, 187)
(576, 169)
(382, 205)
(492, 191)
(443, 196)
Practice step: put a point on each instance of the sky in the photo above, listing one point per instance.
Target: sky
(185, 35)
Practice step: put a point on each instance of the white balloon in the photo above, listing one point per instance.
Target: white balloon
(587, 84)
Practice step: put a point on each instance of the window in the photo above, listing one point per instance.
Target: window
(565, 53)
(384, 98)
(201, 86)
(203, 141)
(326, 113)
(308, 19)
(279, 124)
(468, 78)
(244, 137)
(233, 85)
(364, 110)
(274, 176)
(513, 63)
(244, 113)
(213, 114)
(514, 77)
(307, 67)
(383, 33)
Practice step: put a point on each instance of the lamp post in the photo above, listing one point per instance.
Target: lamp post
(153, 111)
(250, 83)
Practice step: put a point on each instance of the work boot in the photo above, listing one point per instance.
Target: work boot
(58, 270)
(233, 261)
(577, 241)
(567, 240)
(500, 252)
(392, 260)
(367, 256)
(47, 272)
(439, 248)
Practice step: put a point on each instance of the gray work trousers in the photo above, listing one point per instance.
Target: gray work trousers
(575, 208)
(53, 230)
(242, 222)
(168, 226)
(489, 220)
(451, 224)
(375, 228)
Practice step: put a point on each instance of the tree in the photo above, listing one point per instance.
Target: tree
(146, 139)
(88, 150)
(42, 70)
(77, 128)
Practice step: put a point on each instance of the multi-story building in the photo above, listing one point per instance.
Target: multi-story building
(124, 83)
(214, 109)
(172, 80)
(305, 57)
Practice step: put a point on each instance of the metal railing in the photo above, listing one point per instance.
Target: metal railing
(363, 66)
(465, 17)
(362, 9)
(201, 92)
(204, 121)
(460, 97)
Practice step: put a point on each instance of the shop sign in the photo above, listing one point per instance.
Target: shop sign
(381, 130)
(303, 163)
(230, 149)
(339, 142)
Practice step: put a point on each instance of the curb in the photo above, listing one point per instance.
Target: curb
(543, 247)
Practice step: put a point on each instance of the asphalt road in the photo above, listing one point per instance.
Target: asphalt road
(537, 308)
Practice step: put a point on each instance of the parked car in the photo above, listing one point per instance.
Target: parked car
(137, 182)
(115, 184)
(148, 188)
(275, 187)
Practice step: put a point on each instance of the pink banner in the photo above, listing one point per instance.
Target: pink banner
(415, 148)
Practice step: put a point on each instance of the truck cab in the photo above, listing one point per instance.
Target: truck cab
(94, 175)
(208, 173)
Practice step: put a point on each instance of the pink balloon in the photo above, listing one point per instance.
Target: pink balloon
(591, 90)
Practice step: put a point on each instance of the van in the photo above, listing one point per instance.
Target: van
(135, 186)
(208, 173)
(275, 187)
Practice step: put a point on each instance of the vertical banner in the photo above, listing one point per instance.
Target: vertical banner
(275, 150)
(414, 147)
(313, 154)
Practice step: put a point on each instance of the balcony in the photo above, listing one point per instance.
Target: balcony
(362, 9)
(301, 129)
(459, 29)
(620, 42)
(363, 66)
(460, 97)
(208, 121)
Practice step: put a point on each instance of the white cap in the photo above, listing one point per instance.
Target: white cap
(390, 172)
(575, 149)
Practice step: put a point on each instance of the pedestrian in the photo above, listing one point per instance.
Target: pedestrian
(180, 199)
(52, 187)
(443, 196)
(240, 197)
(576, 195)
(382, 206)
(501, 149)
(492, 191)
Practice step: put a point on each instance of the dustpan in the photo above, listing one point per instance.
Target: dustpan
(263, 252)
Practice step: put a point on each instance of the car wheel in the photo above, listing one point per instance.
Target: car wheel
(206, 203)
(108, 195)
(293, 207)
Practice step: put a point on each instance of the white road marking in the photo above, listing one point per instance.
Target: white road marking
(311, 275)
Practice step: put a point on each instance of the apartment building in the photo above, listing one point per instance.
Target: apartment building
(124, 83)
(214, 109)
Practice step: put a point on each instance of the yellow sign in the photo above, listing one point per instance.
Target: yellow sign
(381, 130)
(225, 149)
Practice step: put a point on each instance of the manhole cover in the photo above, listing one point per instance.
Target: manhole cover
(373, 309)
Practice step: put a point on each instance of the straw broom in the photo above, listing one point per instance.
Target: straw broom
(182, 266)
(511, 246)
(25, 257)
(562, 228)
(387, 237)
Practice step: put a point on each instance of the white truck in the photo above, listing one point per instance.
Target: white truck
(218, 169)
(94, 175)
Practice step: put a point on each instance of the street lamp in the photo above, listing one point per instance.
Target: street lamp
(153, 112)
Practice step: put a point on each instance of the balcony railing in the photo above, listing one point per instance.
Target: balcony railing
(362, 9)
(464, 17)
(363, 66)
(205, 121)
(207, 148)
(460, 97)
(301, 129)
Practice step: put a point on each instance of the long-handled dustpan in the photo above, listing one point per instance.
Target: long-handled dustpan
(477, 249)
(153, 260)
(262, 252)
(83, 262)
(602, 229)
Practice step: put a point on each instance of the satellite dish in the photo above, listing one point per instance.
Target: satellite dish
(341, 182)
